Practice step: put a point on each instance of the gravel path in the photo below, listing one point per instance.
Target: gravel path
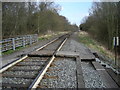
(62, 74)
(74, 46)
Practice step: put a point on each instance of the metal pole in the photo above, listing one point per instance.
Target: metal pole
(38, 23)
(13, 43)
(115, 52)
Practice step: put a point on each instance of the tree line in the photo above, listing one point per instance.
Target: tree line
(103, 23)
(20, 18)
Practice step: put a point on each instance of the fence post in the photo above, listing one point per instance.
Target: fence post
(23, 41)
(26, 40)
(13, 42)
(30, 39)
(0, 48)
(37, 37)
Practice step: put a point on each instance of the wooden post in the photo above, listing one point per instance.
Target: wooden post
(13, 43)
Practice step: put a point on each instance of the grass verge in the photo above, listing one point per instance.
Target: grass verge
(91, 43)
(11, 51)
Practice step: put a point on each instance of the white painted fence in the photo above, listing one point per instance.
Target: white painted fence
(13, 43)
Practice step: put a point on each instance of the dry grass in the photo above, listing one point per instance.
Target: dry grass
(91, 43)
(50, 35)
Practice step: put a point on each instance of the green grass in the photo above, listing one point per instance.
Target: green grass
(8, 52)
(41, 38)
(87, 40)
(45, 38)
(11, 51)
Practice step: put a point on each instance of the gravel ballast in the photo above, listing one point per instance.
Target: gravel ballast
(24, 72)
(91, 76)
(20, 73)
(26, 68)
(62, 74)
(16, 80)
(54, 45)
(32, 63)
(35, 59)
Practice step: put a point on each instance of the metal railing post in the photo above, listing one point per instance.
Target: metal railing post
(13, 43)
(23, 40)
(30, 39)
(36, 37)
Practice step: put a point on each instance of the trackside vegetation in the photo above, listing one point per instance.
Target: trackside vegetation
(22, 18)
(103, 23)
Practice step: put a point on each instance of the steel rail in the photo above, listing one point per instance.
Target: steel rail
(43, 71)
(21, 59)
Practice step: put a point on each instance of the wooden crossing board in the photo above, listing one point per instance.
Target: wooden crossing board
(98, 66)
(50, 53)
(80, 79)
(67, 54)
(86, 54)
(114, 75)
(106, 78)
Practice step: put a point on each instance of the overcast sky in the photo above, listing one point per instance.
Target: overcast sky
(75, 11)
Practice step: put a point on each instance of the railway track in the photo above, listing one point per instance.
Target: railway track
(55, 65)
(28, 71)
(61, 74)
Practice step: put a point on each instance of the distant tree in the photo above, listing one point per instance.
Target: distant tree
(21, 18)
